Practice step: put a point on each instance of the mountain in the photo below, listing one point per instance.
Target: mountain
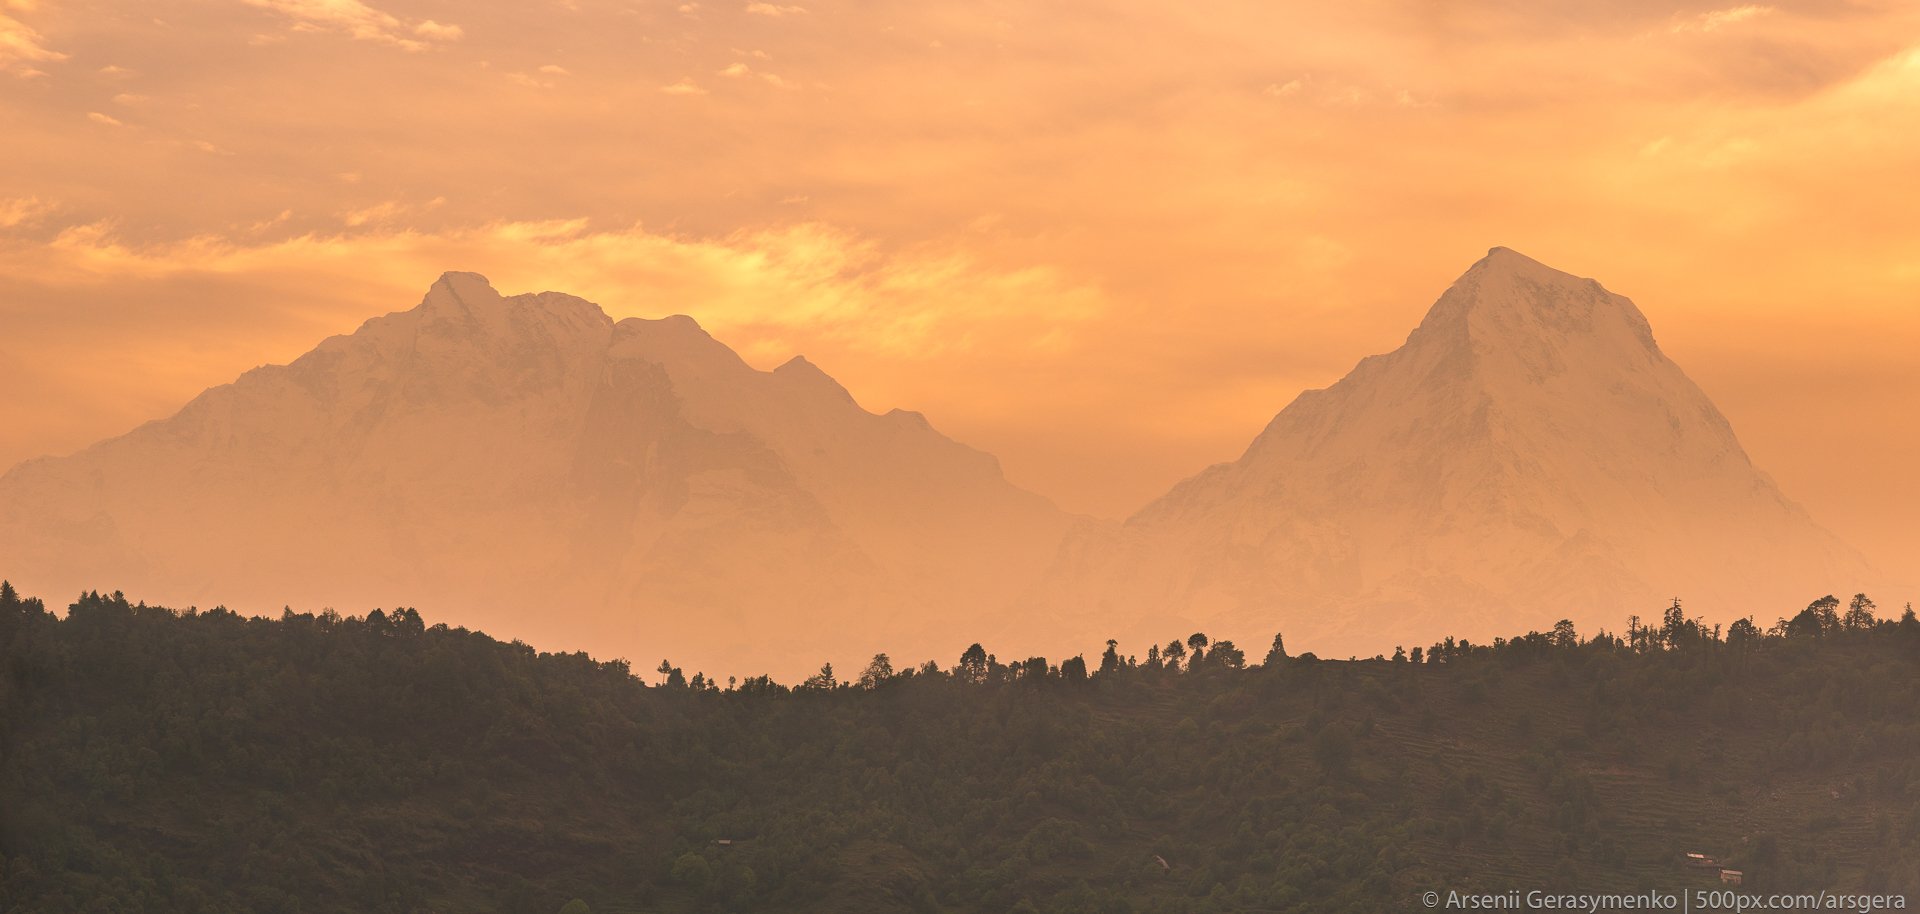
(1529, 454)
(480, 455)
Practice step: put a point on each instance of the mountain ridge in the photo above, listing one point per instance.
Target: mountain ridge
(478, 449)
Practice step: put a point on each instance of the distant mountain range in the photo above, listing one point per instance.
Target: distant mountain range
(528, 466)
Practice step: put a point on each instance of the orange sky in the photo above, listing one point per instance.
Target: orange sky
(1106, 241)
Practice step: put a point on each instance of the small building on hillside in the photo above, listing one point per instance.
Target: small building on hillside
(1731, 877)
(1700, 861)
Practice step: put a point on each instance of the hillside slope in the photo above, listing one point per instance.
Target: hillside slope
(213, 763)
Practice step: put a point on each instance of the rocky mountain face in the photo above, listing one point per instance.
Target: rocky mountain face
(1529, 454)
(527, 466)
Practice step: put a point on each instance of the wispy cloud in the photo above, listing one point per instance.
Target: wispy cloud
(18, 211)
(774, 9)
(682, 86)
(737, 70)
(360, 21)
(377, 213)
(21, 47)
(1714, 20)
(436, 31)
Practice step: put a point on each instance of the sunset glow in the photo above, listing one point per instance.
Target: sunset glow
(1105, 242)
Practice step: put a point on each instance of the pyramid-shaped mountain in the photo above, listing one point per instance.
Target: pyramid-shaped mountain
(528, 466)
(1529, 454)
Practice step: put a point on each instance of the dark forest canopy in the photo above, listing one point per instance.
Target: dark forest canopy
(157, 760)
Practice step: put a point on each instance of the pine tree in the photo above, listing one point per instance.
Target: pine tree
(1859, 613)
(1278, 652)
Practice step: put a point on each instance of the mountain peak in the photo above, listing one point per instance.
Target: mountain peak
(464, 303)
(1508, 300)
(465, 300)
(1502, 252)
(800, 371)
(461, 291)
(1504, 267)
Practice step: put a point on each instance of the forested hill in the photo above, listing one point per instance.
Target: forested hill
(161, 761)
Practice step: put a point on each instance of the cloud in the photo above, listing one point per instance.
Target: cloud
(531, 81)
(682, 86)
(806, 276)
(430, 29)
(1714, 20)
(360, 21)
(774, 9)
(104, 119)
(19, 211)
(739, 70)
(1333, 93)
(377, 213)
(21, 47)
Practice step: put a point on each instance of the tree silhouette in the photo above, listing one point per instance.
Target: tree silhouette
(1859, 613)
(878, 671)
(1174, 653)
(1074, 669)
(823, 680)
(1278, 652)
(1826, 611)
(1228, 655)
(972, 667)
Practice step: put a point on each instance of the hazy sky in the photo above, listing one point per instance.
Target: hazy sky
(1103, 240)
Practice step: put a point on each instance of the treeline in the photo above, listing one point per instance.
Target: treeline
(1197, 653)
(155, 760)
